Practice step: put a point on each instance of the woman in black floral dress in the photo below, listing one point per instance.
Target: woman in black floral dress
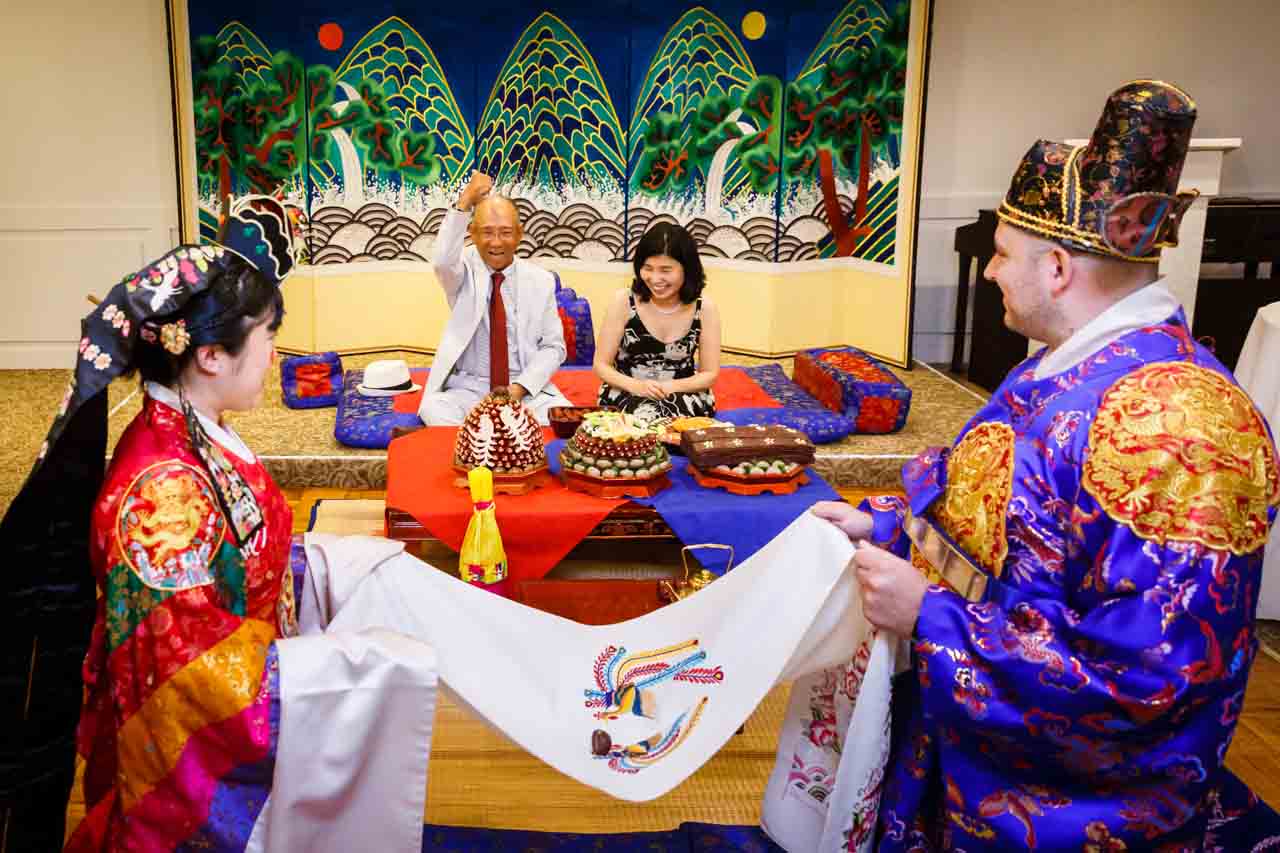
(658, 353)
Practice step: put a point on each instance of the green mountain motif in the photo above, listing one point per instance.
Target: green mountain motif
(394, 58)
(699, 58)
(246, 53)
(856, 28)
(549, 118)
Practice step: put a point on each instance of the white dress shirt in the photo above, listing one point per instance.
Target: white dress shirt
(472, 370)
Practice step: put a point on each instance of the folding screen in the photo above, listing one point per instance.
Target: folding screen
(785, 136)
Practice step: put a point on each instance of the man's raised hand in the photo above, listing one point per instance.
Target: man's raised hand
(477, 188)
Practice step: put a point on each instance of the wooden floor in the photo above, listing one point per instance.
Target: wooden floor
(478, 778)
(1254, 755)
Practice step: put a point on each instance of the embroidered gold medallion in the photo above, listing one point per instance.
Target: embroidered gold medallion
(170, 526)
(979, 485)
(1178, 453)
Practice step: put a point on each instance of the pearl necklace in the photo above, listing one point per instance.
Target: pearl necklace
(678, 306)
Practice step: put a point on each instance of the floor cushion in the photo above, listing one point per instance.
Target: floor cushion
(368, 421)
(820, 425)
(779, 386)
(575, 317)
(311, 381)
(848, 381)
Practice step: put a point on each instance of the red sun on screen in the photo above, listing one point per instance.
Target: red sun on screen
(330, 36)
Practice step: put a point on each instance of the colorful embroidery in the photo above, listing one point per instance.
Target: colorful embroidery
(634, 757)
(858, 367)
(625, 688)
(879, 415)
(1089, 196)
(235, 497)
(1178, 453)
(812, 780)
(170, 527)
(777, 385)
(287, 609)
(979, 485)
(819, 425)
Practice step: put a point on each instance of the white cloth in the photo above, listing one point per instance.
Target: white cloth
(362, 784)
(824, 792)
(465, 278)
(1146, 306)
(1258, 372)
(532, 675)
(356, 719)
(329, 584)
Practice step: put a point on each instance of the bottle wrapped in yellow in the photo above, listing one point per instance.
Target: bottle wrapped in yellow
(482, 560)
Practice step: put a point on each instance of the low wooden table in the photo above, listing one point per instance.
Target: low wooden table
(629, 521)
(594, 601)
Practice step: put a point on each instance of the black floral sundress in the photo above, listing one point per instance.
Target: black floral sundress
(642, 356)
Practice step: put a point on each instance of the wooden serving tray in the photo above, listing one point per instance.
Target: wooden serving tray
(510, 484)
(616, 487)
(736, 484)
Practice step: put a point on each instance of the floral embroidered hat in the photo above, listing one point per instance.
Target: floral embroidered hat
(1116, 196)
(258, 230)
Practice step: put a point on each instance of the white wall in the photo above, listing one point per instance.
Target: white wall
(87, 180)
(1003, 74)
(87, 187)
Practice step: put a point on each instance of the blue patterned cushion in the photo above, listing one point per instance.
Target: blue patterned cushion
(820, 425)
(777, 385)
(581, 351)
(368, 421)
(849, 381)
(575, 313)
(311, 381)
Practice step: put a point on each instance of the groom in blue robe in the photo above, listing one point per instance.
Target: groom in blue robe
(1078, 571)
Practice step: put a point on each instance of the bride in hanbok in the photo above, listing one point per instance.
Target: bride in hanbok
(189, 544)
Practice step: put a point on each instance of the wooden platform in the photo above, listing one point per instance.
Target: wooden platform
(299, 449)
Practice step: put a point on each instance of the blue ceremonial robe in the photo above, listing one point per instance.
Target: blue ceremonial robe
(1086, 699)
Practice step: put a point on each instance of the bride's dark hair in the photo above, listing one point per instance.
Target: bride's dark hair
(237, 301)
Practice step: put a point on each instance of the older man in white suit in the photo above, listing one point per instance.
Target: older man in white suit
(489, 289)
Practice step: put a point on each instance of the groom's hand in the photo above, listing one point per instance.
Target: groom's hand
(855, 523)
(892, 589)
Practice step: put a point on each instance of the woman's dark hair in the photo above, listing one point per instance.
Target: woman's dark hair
(236, 301)
(667, 238)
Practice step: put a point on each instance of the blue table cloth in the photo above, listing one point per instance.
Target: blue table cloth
(697, 514)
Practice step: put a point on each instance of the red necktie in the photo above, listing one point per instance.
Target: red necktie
(499, 369)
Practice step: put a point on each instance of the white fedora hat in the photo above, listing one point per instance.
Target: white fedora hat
(387, 379)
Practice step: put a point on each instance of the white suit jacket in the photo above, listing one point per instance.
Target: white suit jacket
(465, 279)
